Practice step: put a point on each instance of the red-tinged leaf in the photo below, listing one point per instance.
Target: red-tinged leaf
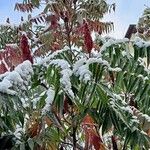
(88, 120)
(48, 121)
(24, 7)
(114, 143)
(54, 22)
(10, 57)
(92, 138)
(14, 55)
(97, 142)
(3, 68)
(55, 46)
(24, 45)
(88, 42)
(148, 132)
(34, 129)
(66, 105)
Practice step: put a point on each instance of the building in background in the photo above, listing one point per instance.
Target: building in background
(130, 34)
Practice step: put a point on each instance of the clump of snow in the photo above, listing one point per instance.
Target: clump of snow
(66, 73)
(17, 78)
(81, 69)
(60, 63)
(14, 46)
(49, 100)
(111, 42)
(127, 109)
(78, 64)
(140, 42)
(4, 87)
(116, 100)
(117, 69)
(66, 82)
(52, 56)
(25, 102)
(117, 96)
(18, 132)
(84, 73)
(3, 75)
(98, 60)
(134, 119)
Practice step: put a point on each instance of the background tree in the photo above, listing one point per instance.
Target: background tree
(144, 24)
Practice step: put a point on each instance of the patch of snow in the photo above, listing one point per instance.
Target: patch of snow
(49, 100)
(63, 64)
(18, 131)
(14, 46)
(112, 42)
(52, 56)
(65, 81)
(127, 109)
(81, 69)
(117, 69)
(17, 78)
(66, 73)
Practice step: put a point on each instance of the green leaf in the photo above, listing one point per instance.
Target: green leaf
(148, 56)
(22, 146)
(31, 143)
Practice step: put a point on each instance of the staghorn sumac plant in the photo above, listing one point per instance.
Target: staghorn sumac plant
(79, 93)
(73, 103)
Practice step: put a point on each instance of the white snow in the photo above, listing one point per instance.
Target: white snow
(18, 131)
(78, 64)
(12, 45)
(17, 78)
(81, 69)
(66, 73)
(63, 64)
(49, 100)
(66, 82)
(140, 42)
(117, 69)
(127, 109)
(112, 42)
(84, 73)
(52, 56)
(98, 60)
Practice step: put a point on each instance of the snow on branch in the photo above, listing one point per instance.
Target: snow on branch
(111, 42)
(50, 97)
(81, 68)
(19, 78)
(66, 73)
(141, 43)
(144, 119)
(52, 56)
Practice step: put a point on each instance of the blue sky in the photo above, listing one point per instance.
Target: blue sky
(127, 12)
(7, 10)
